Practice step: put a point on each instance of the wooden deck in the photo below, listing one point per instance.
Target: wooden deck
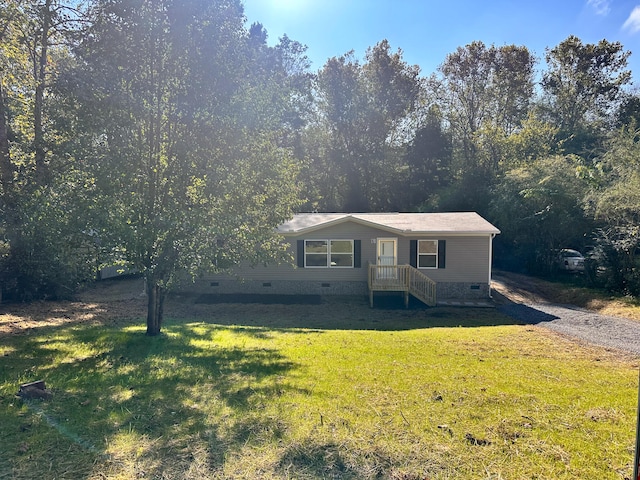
(401, 278)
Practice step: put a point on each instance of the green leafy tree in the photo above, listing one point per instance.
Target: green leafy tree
(41, 255)
(361, 109)
(583, 87)
(486, 94)
(539, 209)
(428, 159)
(184, 109)
(340, 102)
(614, 203)
(629, 110)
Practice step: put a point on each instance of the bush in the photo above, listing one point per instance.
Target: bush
(614, 263)
(38, 270)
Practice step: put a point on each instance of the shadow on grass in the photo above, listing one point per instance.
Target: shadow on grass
(160, 393)
(348, 313)
(186, 400)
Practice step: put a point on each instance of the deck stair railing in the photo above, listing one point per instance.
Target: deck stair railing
(401, 278)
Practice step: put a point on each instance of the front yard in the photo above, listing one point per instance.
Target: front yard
(328, 391)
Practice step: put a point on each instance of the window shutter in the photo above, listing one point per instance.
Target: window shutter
(413, 253)
(301, 253)
(357, 254)
(442, 253)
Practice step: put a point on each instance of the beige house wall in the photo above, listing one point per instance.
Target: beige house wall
(466, 272)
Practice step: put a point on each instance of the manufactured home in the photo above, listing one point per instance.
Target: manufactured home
(431, 256)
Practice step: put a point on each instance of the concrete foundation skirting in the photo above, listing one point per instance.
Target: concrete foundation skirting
(463, 291)
(284, 287)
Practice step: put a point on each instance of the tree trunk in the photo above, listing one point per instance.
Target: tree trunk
(40, 70)
(155, 306)
(6, 166)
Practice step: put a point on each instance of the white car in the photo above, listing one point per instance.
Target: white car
(570, 260)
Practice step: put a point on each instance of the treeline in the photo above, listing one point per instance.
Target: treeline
(169, 136)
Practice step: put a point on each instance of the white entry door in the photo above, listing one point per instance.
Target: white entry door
(387, 257)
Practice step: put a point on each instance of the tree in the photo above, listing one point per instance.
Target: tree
(340, 103)
(362, 108)
(629, 110)
(614, 202)
(487, 93)
(428, 158)
(184, 146)
(41, 258)
(583, 86)
(539, 208)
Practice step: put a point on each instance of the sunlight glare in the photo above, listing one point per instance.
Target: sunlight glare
(289, 5)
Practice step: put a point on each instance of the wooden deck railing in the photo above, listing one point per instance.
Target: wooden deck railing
(401, 278)
(422, 287)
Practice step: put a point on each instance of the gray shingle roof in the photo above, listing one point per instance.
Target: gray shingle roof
(454, 223)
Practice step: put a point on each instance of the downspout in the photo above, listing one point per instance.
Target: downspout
(491, 237)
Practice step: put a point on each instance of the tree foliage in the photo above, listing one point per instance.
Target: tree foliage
(487, 93)
(583, 84)
(172, 137)
(42, 240)
(184, 146)
(539, 209)
(614, 202)
(361, 110)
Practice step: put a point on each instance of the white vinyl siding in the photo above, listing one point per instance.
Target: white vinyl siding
(468, 259)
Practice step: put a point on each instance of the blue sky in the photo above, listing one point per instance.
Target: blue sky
(428, 30)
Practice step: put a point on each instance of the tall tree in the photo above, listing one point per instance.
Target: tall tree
(35, 36)
(486, 87)
(583, 86)
(614, 202)
(362, 108)
(184, 110)
(539, 207)
(428, 158)
(485, 94)
(340, 104)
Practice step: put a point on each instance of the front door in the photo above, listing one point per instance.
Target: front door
(387, 258)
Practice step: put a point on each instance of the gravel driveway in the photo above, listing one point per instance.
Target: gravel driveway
(524, 305)
(612, 332)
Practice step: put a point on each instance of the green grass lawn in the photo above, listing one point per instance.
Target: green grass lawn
(209, 400)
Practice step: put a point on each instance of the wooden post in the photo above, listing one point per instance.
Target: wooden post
(636, 461)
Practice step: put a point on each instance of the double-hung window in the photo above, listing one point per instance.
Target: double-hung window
(427, 253)
(328, 253)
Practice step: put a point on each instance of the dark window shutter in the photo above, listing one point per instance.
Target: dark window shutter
(413, 253)
(357, 253)
(301, 253)
(442, 253)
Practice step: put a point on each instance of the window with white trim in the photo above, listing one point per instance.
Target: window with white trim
(328, 253)
(427, 253)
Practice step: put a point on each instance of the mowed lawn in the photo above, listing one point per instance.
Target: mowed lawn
(250, 392)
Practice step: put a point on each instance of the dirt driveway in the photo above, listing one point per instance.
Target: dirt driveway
(515, 288)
